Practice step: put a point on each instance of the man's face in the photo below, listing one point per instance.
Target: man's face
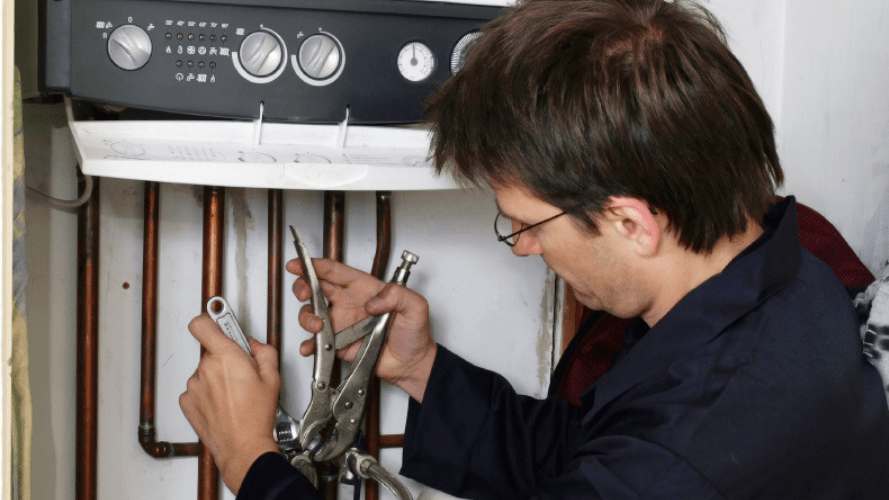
(595, 266)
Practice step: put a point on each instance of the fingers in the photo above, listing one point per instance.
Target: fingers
(266, 358)
(328, 270)
(307, 319)
(208, 333)
(332, 276)
(399, 299)
(307, 347)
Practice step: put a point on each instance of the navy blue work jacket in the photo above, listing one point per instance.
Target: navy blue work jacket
(753, 386)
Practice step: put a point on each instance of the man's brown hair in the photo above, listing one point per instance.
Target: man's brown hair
(582, 100)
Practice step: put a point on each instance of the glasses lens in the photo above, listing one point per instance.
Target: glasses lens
(504, 227)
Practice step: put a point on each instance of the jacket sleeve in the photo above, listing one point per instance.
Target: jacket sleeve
(272, 478)
(474, 437)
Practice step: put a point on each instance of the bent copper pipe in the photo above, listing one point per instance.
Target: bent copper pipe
(147, 432)
(384, 234)
(211, 285)
(87, 346)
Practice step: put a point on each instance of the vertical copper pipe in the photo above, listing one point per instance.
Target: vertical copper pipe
(147, 431)
(273, 312)
(381, 258)
(334, 223)
(211, 285)
(87, 345)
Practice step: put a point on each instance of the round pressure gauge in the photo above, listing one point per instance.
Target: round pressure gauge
(415, 61)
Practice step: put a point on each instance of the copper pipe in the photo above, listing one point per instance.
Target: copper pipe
(147, 432)
(87, 345)
(381, 258)
(392, 441)
(334, 223)
(273, 311)
(211, 285)
(384, 234)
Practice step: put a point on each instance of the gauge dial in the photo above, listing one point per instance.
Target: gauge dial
(416, 62)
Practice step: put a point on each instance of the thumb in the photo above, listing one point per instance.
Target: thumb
(390, 298)
(266, 358)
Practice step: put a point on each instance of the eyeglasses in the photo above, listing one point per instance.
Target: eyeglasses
(503, 224)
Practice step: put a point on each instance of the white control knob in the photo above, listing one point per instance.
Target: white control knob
(319, 56)
(260, 53)
(129, 47)
(461, 50)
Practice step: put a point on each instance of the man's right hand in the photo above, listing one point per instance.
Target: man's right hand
(406, 360)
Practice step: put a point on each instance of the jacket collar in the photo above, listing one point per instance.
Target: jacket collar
(768, 265)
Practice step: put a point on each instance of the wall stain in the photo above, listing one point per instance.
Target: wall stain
(198, 193)
(876, 237)
(241, 217)
(544, 349)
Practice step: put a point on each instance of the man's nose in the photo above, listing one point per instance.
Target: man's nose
(526, 244)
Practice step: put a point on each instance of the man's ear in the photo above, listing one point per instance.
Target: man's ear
(634, 220)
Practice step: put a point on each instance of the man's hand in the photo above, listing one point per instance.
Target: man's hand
(406, 360)
(231, 400)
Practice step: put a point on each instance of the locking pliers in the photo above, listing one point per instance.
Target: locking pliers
(342, 407)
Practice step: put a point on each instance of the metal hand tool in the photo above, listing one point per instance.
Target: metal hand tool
(343, 408)
(286, 427)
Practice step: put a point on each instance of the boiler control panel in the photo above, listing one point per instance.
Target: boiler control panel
(303, 62)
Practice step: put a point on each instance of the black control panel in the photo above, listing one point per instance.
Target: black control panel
(292, 61)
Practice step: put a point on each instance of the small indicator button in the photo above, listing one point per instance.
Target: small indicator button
(201, 37)
(179, 63)
(223, 38)
(191, 36)
(179, 36)
(212, 65)
(212, 38)
(189, 63)
(200, 64)
(169, 35)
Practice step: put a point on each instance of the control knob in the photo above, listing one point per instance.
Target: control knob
(129, 47)
(319, 56)
(461, 50)
(260, 53)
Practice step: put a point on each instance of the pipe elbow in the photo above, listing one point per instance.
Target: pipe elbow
(152, 447)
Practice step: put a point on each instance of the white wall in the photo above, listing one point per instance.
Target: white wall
(821, 68)
(835, 118)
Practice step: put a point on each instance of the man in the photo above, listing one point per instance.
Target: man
(629, 149)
